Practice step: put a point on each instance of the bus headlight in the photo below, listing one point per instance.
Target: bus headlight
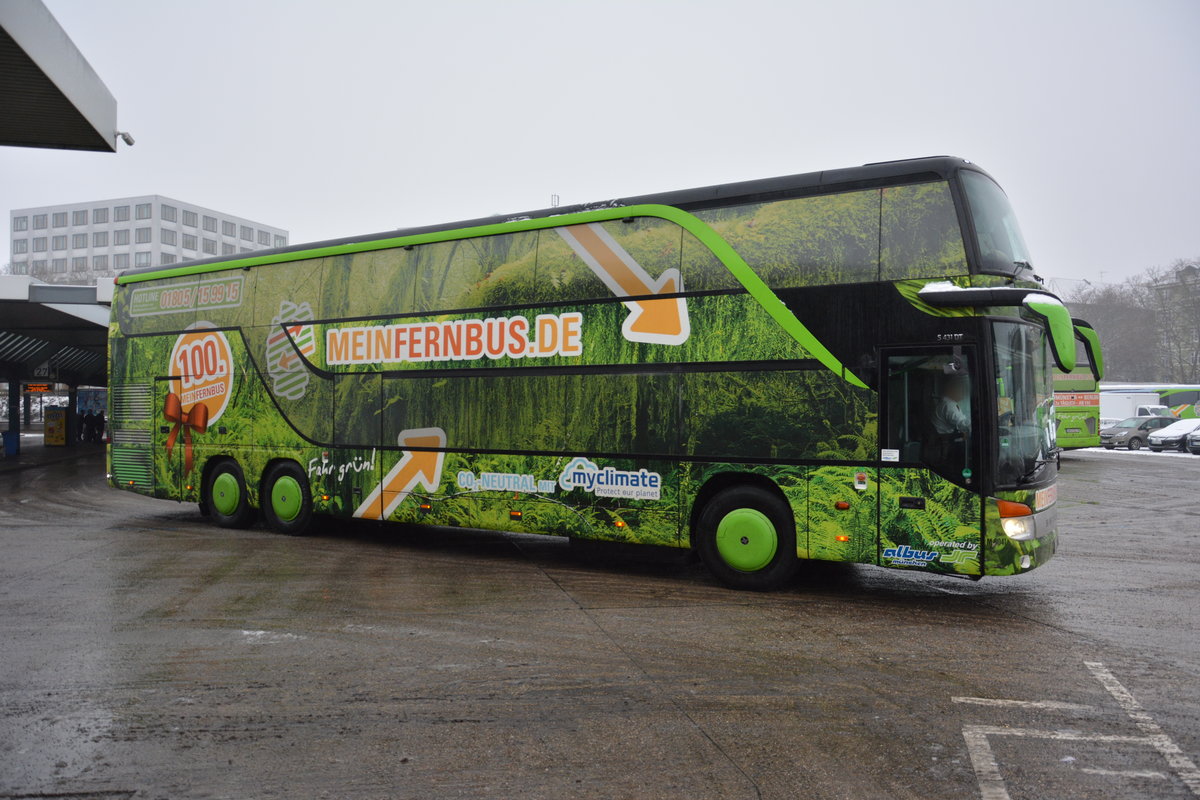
(1019, 528)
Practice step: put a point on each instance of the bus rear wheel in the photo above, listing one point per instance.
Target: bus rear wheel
(746, 536)
(225, 496)
(287, 499)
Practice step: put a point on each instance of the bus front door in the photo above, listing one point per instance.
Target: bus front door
(929, 506)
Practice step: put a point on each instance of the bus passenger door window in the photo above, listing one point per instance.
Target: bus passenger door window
(930, 412)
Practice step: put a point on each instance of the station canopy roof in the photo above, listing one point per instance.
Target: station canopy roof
(49, 94)
(53, 332)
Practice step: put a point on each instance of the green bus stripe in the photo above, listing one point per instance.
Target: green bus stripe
(698, 228)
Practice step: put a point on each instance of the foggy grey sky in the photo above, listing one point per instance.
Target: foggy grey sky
(335, 119)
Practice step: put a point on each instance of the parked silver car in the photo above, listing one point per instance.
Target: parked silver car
(1174, 436)
(1133, 432)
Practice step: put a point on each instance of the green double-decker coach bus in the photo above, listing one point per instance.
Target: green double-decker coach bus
(852, 365)
(1077, 393)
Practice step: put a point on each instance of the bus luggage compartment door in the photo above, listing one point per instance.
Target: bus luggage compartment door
(843, 514)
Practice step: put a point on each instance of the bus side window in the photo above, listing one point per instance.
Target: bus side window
(805, 241)
(920, 233)
(562, 274)
(929, 413)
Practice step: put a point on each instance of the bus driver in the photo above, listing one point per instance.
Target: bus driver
(948, 416)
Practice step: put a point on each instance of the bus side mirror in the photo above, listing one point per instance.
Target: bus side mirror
(1091, 345)
(1054, 315)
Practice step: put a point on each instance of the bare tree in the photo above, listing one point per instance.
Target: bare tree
(1149, 325)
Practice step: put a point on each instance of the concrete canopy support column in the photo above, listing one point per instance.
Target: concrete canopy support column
(72, 416)
(14, 412)
(14, 403)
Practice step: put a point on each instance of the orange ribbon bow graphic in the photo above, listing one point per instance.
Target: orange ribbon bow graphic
(196, 418)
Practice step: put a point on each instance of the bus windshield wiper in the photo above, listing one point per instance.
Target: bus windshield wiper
(1037, 465)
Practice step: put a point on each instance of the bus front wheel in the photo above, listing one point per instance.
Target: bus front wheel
(746, 536)
(287, 499)
(225, 496)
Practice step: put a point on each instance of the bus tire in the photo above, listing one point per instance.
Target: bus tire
(287, 499)
(746, 536)
(226, 498)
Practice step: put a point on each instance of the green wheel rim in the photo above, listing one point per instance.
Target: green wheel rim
(226, 495)
(746, 539)
(286, 498)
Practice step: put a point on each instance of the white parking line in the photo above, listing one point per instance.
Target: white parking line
(1184, 767)
(1126, 773)
(1050, 705)
(983, 761)
(987, 770)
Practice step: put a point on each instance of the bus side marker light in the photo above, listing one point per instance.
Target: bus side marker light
(189, 487)
(842, 505)
(1016, 519)
(514, 515)
(620, 523)
(842, 538)
(325, 497)
(425, 508)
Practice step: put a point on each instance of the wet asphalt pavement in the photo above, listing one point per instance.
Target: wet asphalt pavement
(147, 654)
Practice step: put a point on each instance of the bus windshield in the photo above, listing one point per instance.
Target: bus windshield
(1025, 402)
(1001, 246)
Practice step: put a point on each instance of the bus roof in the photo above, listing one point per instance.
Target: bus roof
(881, 173)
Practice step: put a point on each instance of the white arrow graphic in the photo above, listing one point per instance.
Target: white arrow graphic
(415, 468)
(652, 321)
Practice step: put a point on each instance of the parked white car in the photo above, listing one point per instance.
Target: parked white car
(1174, 436)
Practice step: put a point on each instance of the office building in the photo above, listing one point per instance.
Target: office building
(81, 243)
